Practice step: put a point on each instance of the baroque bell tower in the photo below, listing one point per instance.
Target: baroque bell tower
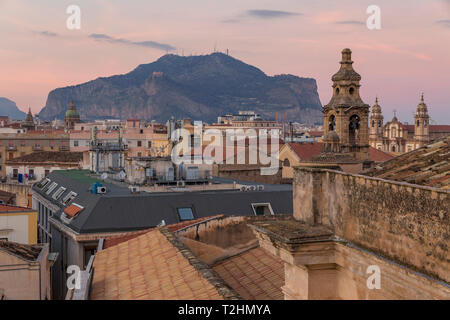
(346, 116)
(376, 124)
(421, 124)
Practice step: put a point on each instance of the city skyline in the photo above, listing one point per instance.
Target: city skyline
(397, 63)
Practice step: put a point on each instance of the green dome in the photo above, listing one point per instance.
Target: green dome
(72, 114)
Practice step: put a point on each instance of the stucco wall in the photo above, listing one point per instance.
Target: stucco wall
(406, 223)
(22, 280)
(23, 227)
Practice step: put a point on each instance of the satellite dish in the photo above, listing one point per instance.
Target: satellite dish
(104, 176)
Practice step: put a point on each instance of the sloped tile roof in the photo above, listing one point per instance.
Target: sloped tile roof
(378, 155)
(428, 166)
(154, 266)
(10, 208)
(255, 274)
(307, 150)
(49, 156)
(115, 240)
(24, 251)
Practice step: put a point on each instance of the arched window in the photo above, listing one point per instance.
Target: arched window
(352, 90)
(286, 163)
(379, 123)
(332, 123)
(418, 122)
(353, 127)
(373, 123)
(337, 90)
(393, 148)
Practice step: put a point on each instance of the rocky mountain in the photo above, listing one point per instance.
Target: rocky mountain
(197, 87)
(9, 108)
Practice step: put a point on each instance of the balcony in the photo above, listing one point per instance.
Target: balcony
(14, 179)
(11, 148)
(37, 148)
(63, 148)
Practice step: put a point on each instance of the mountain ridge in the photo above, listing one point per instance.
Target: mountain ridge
(9, 108)
(198, 87)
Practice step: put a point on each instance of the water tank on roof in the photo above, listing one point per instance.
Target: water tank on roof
(95, 187)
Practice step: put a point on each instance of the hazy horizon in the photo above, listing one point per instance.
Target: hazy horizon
(408, 56)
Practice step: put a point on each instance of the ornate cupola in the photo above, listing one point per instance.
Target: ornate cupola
(28, 123)
(376, 122)
(71, 117)
(346, 113)
(421, 124)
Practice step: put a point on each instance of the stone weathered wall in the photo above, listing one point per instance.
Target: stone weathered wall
(22, 192)
(250, 174)
(403, 222)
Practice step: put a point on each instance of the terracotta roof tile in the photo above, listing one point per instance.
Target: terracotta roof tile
(11, 208)
(130, 270)
(305, 150)
(378, 155)
(49, 156)
(25, 251)
(428, 166)
(72, 210)
(255, 274)
(309, 150)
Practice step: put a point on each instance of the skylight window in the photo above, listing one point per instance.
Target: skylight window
(262, 209)
(58, 193)
(43, 183)
(69, 197)
(51, 188)
(185, 214)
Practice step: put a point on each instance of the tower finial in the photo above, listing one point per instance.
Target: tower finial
(346, 56)
(421, 98)
(376, 99)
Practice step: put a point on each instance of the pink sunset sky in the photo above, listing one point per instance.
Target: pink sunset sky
(408, 56)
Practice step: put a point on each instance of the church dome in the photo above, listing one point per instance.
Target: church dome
(72, 113)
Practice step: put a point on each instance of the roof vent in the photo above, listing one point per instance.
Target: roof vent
(101, 190)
